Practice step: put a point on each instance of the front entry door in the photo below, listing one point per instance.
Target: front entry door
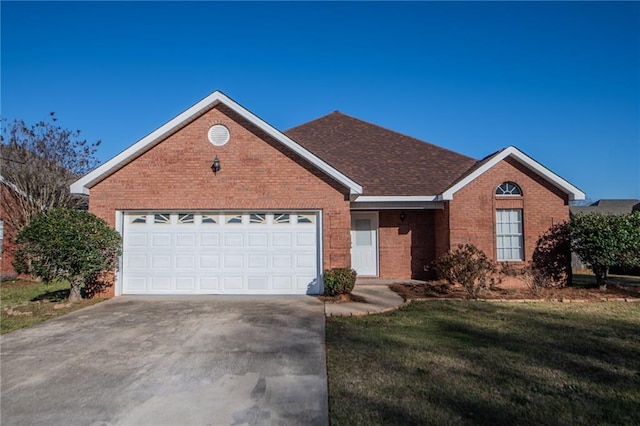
(364, 243)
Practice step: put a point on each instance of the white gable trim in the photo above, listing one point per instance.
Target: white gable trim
(396, 202)
(573, 192)
(82, 185)
(394, 198)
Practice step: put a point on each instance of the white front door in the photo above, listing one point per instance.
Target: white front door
(364, 243)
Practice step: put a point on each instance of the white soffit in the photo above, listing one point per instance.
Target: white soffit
(573, 192)
(82, 185)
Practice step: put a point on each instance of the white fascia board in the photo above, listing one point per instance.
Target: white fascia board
(417, 205)
(573, 192)
(394, 198)
(81, 186)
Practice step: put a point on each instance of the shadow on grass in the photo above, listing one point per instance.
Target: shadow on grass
(475, 363)
(52, 296)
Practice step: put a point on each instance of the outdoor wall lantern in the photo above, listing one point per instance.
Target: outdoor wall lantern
(216, 165)
(402, 217)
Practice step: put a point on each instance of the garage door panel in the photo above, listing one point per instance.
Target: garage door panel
(209, 283)
(232, 284)
(233, 239)
(282, 239)
(233, 260)
(305, 261)
(218, 252)
(161, 240)
(257, 283)
(259, 261)
(258, 240)
(160, 283)
(307, 239)
(136, 283)
(282, 283)
(161, 261)
(137, 239)
(210, 239)
(186, 240)
(281, 261)
(133, 261)
(185, 283)
(185, 261)
(210, 261)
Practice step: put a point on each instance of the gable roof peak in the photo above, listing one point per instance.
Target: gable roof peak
(82, 185)
(511, 151)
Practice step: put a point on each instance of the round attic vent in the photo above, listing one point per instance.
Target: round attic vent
(218, 135)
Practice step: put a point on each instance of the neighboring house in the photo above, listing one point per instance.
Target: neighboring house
(8, 233)
(218, 201)
(608, 207)
(611, 206)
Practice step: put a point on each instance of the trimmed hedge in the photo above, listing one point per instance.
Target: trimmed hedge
(339, 281)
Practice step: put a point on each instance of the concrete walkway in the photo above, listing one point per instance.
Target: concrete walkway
(379, 298)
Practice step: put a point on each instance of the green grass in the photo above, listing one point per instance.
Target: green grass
(465, 362)
(24, 303)
(589, 280)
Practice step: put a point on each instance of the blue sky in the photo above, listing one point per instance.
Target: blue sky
(561, 81)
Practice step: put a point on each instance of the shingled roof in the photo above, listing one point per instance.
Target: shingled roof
(384, 162)
(610, 206)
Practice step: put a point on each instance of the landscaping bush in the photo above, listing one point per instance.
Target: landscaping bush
(551, 258)
(67, 244)
(534, 277)
(605, 241)
(339, 281)
(468, 266)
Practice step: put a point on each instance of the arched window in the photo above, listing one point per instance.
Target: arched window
(508, 188)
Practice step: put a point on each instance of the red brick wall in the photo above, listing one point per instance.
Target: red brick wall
(257, 173)
(8, 241)
(472, 210)
(406, 247)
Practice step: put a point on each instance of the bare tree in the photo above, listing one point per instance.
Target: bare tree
(38, 163)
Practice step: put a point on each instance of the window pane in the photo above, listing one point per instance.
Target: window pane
(234, 219)
(509, 237)
(281, 218)
(363, 232)
(208, 219)
(185, 218)
(162, 218)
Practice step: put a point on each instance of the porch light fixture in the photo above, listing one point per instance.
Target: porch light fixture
(216, 165)
(402, 217)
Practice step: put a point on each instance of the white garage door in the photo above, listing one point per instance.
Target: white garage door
(220, 253)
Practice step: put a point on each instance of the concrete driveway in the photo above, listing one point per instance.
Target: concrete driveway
(208, 360)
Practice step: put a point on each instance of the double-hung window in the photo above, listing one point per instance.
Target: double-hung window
(509, 235)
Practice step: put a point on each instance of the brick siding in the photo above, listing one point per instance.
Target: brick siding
(472, 211)
(8, 240)
(257, 173)
(406, 247)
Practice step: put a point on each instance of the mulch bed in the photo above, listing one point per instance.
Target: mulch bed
(442, 290)
(342, 298)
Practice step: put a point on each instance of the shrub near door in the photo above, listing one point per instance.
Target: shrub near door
(339, 281)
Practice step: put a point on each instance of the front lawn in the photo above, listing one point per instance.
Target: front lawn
(466, 362)
(25, 303)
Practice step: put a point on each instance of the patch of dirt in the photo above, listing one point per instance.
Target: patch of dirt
(440, 290)
(343, 298)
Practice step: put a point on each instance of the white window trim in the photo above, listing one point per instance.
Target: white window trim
(520, 235)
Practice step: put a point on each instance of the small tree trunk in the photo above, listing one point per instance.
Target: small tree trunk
(601, 277)
(74, 294)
